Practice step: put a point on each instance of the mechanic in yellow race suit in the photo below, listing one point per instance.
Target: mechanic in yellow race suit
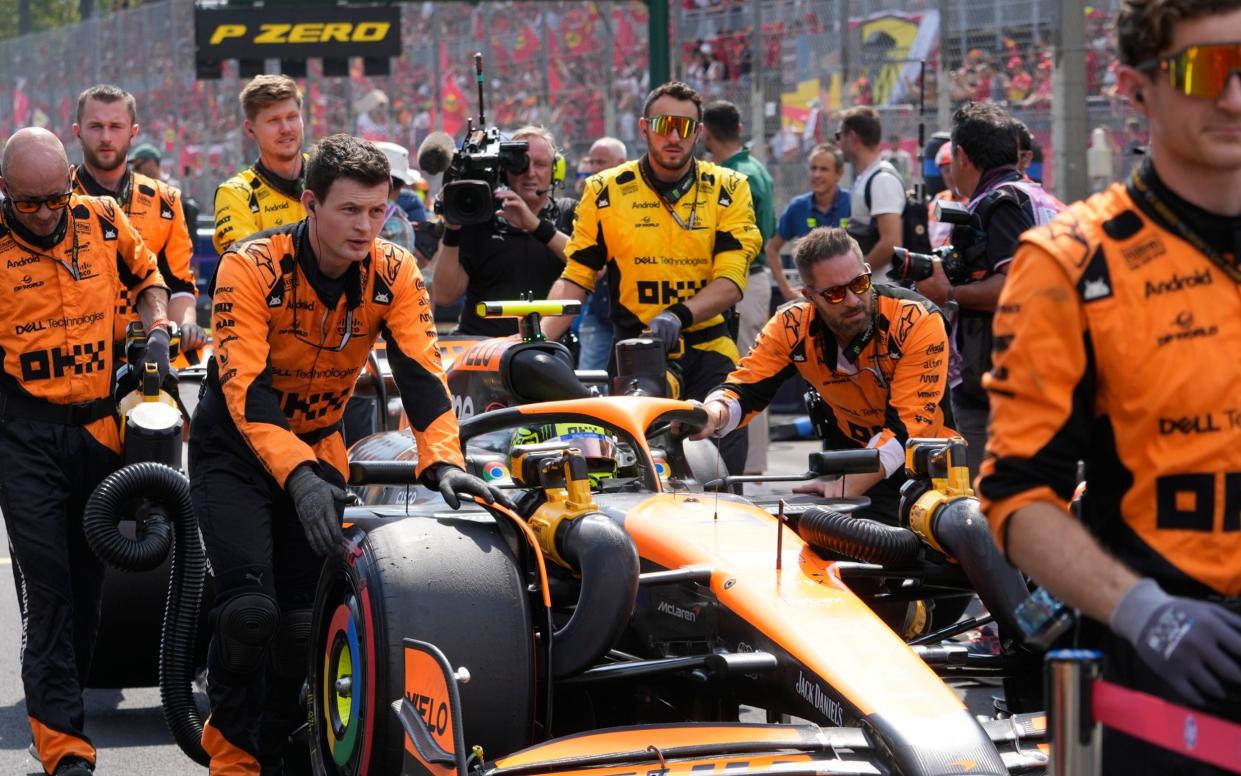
(876, 355)
(1118, 342)
(676, 237)
(106, 123)
(62, 258)
(295, 313)
(269, 192)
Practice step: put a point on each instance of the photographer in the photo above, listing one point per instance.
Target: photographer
(1002, 204)
(521, 250)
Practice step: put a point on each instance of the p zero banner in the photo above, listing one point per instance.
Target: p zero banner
(295, 34)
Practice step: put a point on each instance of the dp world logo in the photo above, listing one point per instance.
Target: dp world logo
(1191, 732)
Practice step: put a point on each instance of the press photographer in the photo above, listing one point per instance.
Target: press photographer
(1002, 205)
(505, 233)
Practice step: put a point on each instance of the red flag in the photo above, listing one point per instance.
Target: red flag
(526, 44)
(452, 107)
(21, 104)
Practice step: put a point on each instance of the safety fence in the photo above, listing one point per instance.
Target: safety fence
(580, 68)
(1080, 704)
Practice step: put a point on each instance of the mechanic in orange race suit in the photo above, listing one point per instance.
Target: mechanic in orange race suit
(62, 258)
(1118, 342)
(268, 193)
(107, 122)
(877, 356)
(295, 313)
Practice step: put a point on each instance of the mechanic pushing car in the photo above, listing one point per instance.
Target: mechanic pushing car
(295, 315)
(65, 257)
(676, 237)
(876, 355)
(268, 193)
(1118, 341)
(107, 122)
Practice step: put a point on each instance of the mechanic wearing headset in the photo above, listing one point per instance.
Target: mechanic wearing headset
(1118, 341)
(295, 315)
(676, 237)
(64, 256)
(877, 355)
(269, 192)
(106, 124)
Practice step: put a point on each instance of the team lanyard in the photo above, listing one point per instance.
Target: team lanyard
(678, 191)
(1171, 220)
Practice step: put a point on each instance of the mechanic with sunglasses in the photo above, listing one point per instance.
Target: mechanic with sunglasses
(676, 236)
(65, 258)
(1118, 341)
(296, 312)
(877, 355)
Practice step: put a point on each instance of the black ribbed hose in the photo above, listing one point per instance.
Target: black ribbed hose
(865, 540)
(169, 491)
(604, 555)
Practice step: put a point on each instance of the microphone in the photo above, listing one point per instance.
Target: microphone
(436, 152)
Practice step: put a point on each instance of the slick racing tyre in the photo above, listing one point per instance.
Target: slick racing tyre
(450, 581)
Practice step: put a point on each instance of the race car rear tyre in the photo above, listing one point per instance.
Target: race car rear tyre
(451, 581)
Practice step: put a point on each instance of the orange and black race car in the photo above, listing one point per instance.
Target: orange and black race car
(621, 620)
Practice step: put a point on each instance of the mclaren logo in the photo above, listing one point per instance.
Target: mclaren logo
(672, 610)
(302, 32)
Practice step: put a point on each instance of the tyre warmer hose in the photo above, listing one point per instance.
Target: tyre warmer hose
(169, 491)
(865, 540)
(604, 555)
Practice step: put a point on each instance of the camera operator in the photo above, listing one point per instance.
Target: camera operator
(521, 250)
(1003, 205)
(1118, 341)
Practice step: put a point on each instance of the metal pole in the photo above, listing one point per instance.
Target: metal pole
(609, 51)
(1075, 736)
(1069, 111)
(943, 101)
(545, 104)
(845, 82)
(758, 122)
(657, 41)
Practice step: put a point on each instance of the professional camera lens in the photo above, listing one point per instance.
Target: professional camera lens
(468, 202)
(908, 266)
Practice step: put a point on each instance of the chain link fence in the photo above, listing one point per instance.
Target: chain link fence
(580, 68)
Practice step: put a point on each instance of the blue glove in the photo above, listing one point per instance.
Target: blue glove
(668, 324)
(1194, 646)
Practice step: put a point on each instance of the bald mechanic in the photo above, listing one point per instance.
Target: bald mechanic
(295, 314)
(66, 257)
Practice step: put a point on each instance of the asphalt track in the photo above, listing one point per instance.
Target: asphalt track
(127, 726)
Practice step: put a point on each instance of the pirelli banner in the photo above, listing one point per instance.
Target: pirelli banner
(294, 34)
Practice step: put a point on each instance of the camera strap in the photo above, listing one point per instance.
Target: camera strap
(1162, 214)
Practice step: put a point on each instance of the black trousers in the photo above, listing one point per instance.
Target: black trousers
(47, 473)
(255, 544)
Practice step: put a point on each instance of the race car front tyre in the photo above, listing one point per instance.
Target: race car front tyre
(450, 581)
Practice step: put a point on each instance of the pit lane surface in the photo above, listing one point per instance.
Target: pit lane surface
(127, 726)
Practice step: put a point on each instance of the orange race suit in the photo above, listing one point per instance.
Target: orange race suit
(58, 440)
(154, 209)
(886, 386)
(289, 345)
(254, 200)
(1118, 342)
(658, 254)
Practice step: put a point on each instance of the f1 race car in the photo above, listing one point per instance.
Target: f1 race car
(619, 617)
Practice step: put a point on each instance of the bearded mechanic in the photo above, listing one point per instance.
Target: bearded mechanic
(106, 123)
(1118, 342)
(295, 314)
(268, 193)
(676, 237)
(876, 355)
(65, 256)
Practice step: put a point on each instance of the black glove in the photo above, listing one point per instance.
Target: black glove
(1192, 645)
(318, 503)
(453, 483)
(192, 337)
(157, 351)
